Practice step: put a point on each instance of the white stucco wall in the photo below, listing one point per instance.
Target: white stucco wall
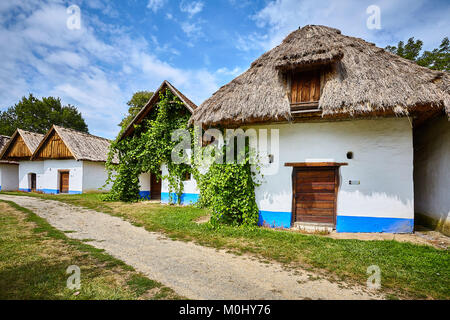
(50, 178)
(190, 186)
(27, 167)
(432, 170)
(144, 181)
(94, 176)
(9, 177)
(383, 163)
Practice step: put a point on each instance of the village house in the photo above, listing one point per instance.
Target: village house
(8, 170)
(364, 136)
(19, 149)
(152, 188)
(62, 161)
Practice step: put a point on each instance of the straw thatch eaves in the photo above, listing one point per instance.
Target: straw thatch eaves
(190, 106)
(3, 142)
(82, 146)
(361, 80)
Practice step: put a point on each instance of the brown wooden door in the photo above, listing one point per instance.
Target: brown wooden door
(33, 181)
(64, 182)
(155, 187)
(315, 193)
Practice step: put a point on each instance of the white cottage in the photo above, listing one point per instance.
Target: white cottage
(151, 187)
(9, 170)
(360, 129)
(19, 149)
(62, 161)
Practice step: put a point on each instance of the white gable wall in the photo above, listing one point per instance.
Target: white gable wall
(27, 167)
(94, 176)
(383, 163)
(190, 193)
(50, 178)
(9, 177)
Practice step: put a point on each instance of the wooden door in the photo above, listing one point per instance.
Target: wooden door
(33, 181)
(315, 194)
(64, 182)
(155, 187)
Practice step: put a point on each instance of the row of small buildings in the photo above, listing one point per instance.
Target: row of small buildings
(61, 161)
(364, 138)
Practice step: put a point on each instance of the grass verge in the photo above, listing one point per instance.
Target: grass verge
(407, 270)
(34, 257)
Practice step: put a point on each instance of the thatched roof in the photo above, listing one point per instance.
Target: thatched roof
(362, 80)
(152, 102)
(83, 146)
(30, 139)
(3, 142)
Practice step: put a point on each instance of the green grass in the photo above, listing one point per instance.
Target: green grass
(407, 269)
(34, 257)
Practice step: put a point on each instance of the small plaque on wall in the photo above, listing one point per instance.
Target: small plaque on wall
(354, 182)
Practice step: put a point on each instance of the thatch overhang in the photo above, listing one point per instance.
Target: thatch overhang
(360, 81)
(82, 146)
(190, 106)
(29, 141)
(3, 142)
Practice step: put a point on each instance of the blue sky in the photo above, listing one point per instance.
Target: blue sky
(130, 45)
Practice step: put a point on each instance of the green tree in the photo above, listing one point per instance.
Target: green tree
(437, 59)
(38, 115)
(137, 102)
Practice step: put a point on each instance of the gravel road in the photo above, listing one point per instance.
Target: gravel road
(193, 271)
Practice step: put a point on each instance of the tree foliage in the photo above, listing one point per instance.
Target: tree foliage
(136, 103)
(36, 115)
(437, 59)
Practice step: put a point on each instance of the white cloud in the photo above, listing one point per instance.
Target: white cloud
(96, 68)
(192, 29)
(400, 20)
(191, 8)
(155, 5)
(233, 72)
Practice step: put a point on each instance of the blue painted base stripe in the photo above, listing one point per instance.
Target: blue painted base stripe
(186, 198)
(51, 191)
(144, 195)
(373, 224)
(274, 219)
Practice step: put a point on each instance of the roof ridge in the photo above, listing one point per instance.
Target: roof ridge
(80, 132)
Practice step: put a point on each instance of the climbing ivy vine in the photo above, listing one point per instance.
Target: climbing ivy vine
(227, 188)
(147, 149)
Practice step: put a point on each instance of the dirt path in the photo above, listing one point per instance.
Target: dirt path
(193, 271)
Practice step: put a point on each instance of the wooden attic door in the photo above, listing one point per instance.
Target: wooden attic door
(305, 91)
